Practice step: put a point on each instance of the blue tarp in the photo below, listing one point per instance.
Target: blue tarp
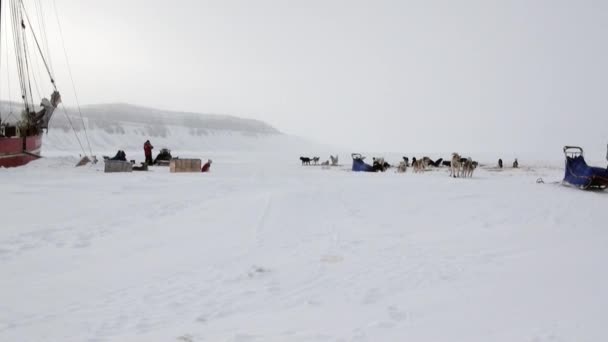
(580, 174)
(360, 165)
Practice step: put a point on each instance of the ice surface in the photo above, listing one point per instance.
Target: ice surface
(264, 249)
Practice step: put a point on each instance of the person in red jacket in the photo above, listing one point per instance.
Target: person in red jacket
(148, 152)
(206, 167)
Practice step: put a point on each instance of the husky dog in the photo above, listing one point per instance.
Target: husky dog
(315, 160)
(426, 161)
(429, 162)
(455, 167)
(467, 168)
(334, 160)
(406, 160)
(379, 164)
(305, 160)
(402, 167)
(418, 165)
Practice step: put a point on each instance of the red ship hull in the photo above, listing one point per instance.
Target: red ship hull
(18, 151)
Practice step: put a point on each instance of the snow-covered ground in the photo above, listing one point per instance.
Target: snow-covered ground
(265, 250)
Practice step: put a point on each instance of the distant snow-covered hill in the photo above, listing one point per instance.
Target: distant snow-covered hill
(111, 127)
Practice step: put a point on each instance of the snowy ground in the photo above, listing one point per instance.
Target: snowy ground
(256, 251)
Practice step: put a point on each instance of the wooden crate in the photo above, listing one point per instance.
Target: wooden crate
(117, 166)
(185, 165)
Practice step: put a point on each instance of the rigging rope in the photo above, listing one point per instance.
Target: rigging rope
(48, 70)
(73, 130)
(31, 74)
(15, 14)
(8, 76)
(27, 68)
(1, 31)
(65, 53)
(42, 29)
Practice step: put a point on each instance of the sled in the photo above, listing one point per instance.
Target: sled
(581, 175)
(359, 165)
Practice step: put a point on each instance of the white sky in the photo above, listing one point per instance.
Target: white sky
(428, 75)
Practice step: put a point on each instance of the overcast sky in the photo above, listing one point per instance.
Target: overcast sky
(428, 75)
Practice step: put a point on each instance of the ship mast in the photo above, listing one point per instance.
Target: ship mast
(1, 51)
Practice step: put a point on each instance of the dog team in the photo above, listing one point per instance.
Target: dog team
(459, 166)
(315, 161)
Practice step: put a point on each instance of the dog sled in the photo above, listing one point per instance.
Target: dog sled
(359, 165)
(581, 175)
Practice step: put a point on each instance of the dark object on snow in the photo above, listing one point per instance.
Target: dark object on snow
(117, 166)
(148, 152)
(380, 165)
(163, 156)
(406, 160)
(437, 163)
(515, 164)
(305, 160)
(500, 163)
(359, 165)
(120, 155)
(579, 174)
(143, 167)
(447, 163)
(207, 165)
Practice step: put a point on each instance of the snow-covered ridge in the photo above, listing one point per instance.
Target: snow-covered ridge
(111, 127)
(111, 117)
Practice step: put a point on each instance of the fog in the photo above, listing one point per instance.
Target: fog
(471, 76)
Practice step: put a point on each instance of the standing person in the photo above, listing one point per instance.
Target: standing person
(500, 163)
(148, 152)
(206, 167)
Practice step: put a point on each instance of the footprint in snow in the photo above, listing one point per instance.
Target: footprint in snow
(257, 271)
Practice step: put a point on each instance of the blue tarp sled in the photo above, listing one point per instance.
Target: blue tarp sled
(581, 175)
(359, 165)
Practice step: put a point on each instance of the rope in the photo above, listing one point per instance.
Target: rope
(65, 53)
(27, 71)
(31, 76)
(16, 16)
(1, 31)
(73, 130)
(37, 75)
(42, 29)
(8, 76)
(38, 45)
